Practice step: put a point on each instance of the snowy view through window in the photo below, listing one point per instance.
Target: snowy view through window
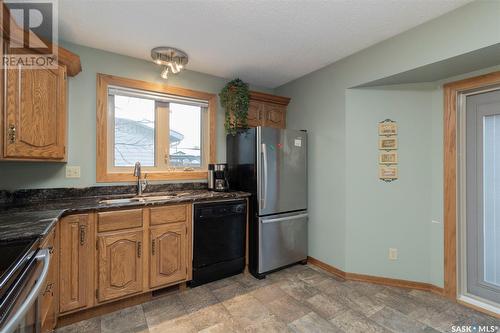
(135, 133)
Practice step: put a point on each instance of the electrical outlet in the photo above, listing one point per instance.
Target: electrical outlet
(72, 171)
(393, 254)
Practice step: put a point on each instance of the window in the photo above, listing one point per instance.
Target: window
(185, 135)
(168, 130)
(134, 130)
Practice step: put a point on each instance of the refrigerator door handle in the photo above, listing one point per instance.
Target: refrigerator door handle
(288, 218)
(264, 192)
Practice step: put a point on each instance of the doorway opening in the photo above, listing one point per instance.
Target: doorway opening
(472, 192)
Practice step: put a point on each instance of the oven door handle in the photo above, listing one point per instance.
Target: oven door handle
(11, 325)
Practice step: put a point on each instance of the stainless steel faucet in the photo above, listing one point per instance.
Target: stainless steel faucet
(141, 183)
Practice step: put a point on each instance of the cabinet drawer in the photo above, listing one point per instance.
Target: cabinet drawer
(120, 219)
(169, 214)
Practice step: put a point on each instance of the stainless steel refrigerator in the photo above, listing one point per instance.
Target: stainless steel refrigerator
(271, 164)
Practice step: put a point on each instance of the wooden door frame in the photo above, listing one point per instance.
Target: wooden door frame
(452, 92)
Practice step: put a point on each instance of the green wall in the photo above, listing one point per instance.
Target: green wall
(354, 217)
(82, 115)
(383, 215)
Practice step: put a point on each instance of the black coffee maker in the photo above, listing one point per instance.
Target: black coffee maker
(220, 177)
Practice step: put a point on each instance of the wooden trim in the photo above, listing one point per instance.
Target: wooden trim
(263, 97)
(375, 279)
(330, 269)
(452, 91)
(102, 173)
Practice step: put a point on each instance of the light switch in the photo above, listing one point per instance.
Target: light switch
(393, 254)
(72, 171)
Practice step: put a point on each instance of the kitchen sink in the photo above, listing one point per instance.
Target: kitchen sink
(157, 198)
(144, 198)
(120, 201)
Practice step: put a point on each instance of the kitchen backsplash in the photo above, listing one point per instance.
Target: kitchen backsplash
(20, 197)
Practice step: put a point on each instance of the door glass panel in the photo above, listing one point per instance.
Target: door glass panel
(491, 195)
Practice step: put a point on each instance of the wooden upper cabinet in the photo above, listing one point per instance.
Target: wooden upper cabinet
(254, 114)
(169, 254)
(275, 115)
(120, 264)
(35, 114)
(76, 262)
(267, 110)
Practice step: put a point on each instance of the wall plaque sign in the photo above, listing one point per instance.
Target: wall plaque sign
(388, 155)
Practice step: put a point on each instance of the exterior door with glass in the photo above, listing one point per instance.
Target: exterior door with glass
(482, 225)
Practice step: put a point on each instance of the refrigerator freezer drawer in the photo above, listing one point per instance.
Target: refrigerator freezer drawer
(282, 240)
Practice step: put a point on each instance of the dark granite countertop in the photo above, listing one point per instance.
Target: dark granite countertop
(32, 220)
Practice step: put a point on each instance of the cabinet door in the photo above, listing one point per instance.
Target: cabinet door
(274, 115)
(76, 262)
(169, 253)
(35, 121)
(48, 297)
(120, 264)
(254, 115)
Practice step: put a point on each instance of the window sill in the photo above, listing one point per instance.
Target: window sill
(171, 175)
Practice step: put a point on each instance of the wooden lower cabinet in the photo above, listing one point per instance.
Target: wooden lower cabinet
(169, 254)
(76, 259)
(108, 256)
(49, 294)
(120, 270)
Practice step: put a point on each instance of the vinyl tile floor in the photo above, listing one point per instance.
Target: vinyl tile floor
(296, 299)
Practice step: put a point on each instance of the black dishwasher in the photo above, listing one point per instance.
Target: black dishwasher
(219, 240)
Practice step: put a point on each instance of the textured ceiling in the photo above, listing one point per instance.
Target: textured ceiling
(266, 43)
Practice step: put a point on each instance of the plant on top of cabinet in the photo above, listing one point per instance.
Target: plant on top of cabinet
(234, 97)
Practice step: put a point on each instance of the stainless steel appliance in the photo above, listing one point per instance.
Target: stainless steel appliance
(221, 183)
(272, 165)
(211, 177)
(24, 269)
(219, 240)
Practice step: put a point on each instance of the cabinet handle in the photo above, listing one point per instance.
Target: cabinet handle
(12, 133)
(153, 247)
(139, 249)
(82, 235)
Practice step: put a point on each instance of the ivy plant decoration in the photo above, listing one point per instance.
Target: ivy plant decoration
(234, 97)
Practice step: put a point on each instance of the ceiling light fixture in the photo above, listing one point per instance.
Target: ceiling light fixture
(171, 59)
